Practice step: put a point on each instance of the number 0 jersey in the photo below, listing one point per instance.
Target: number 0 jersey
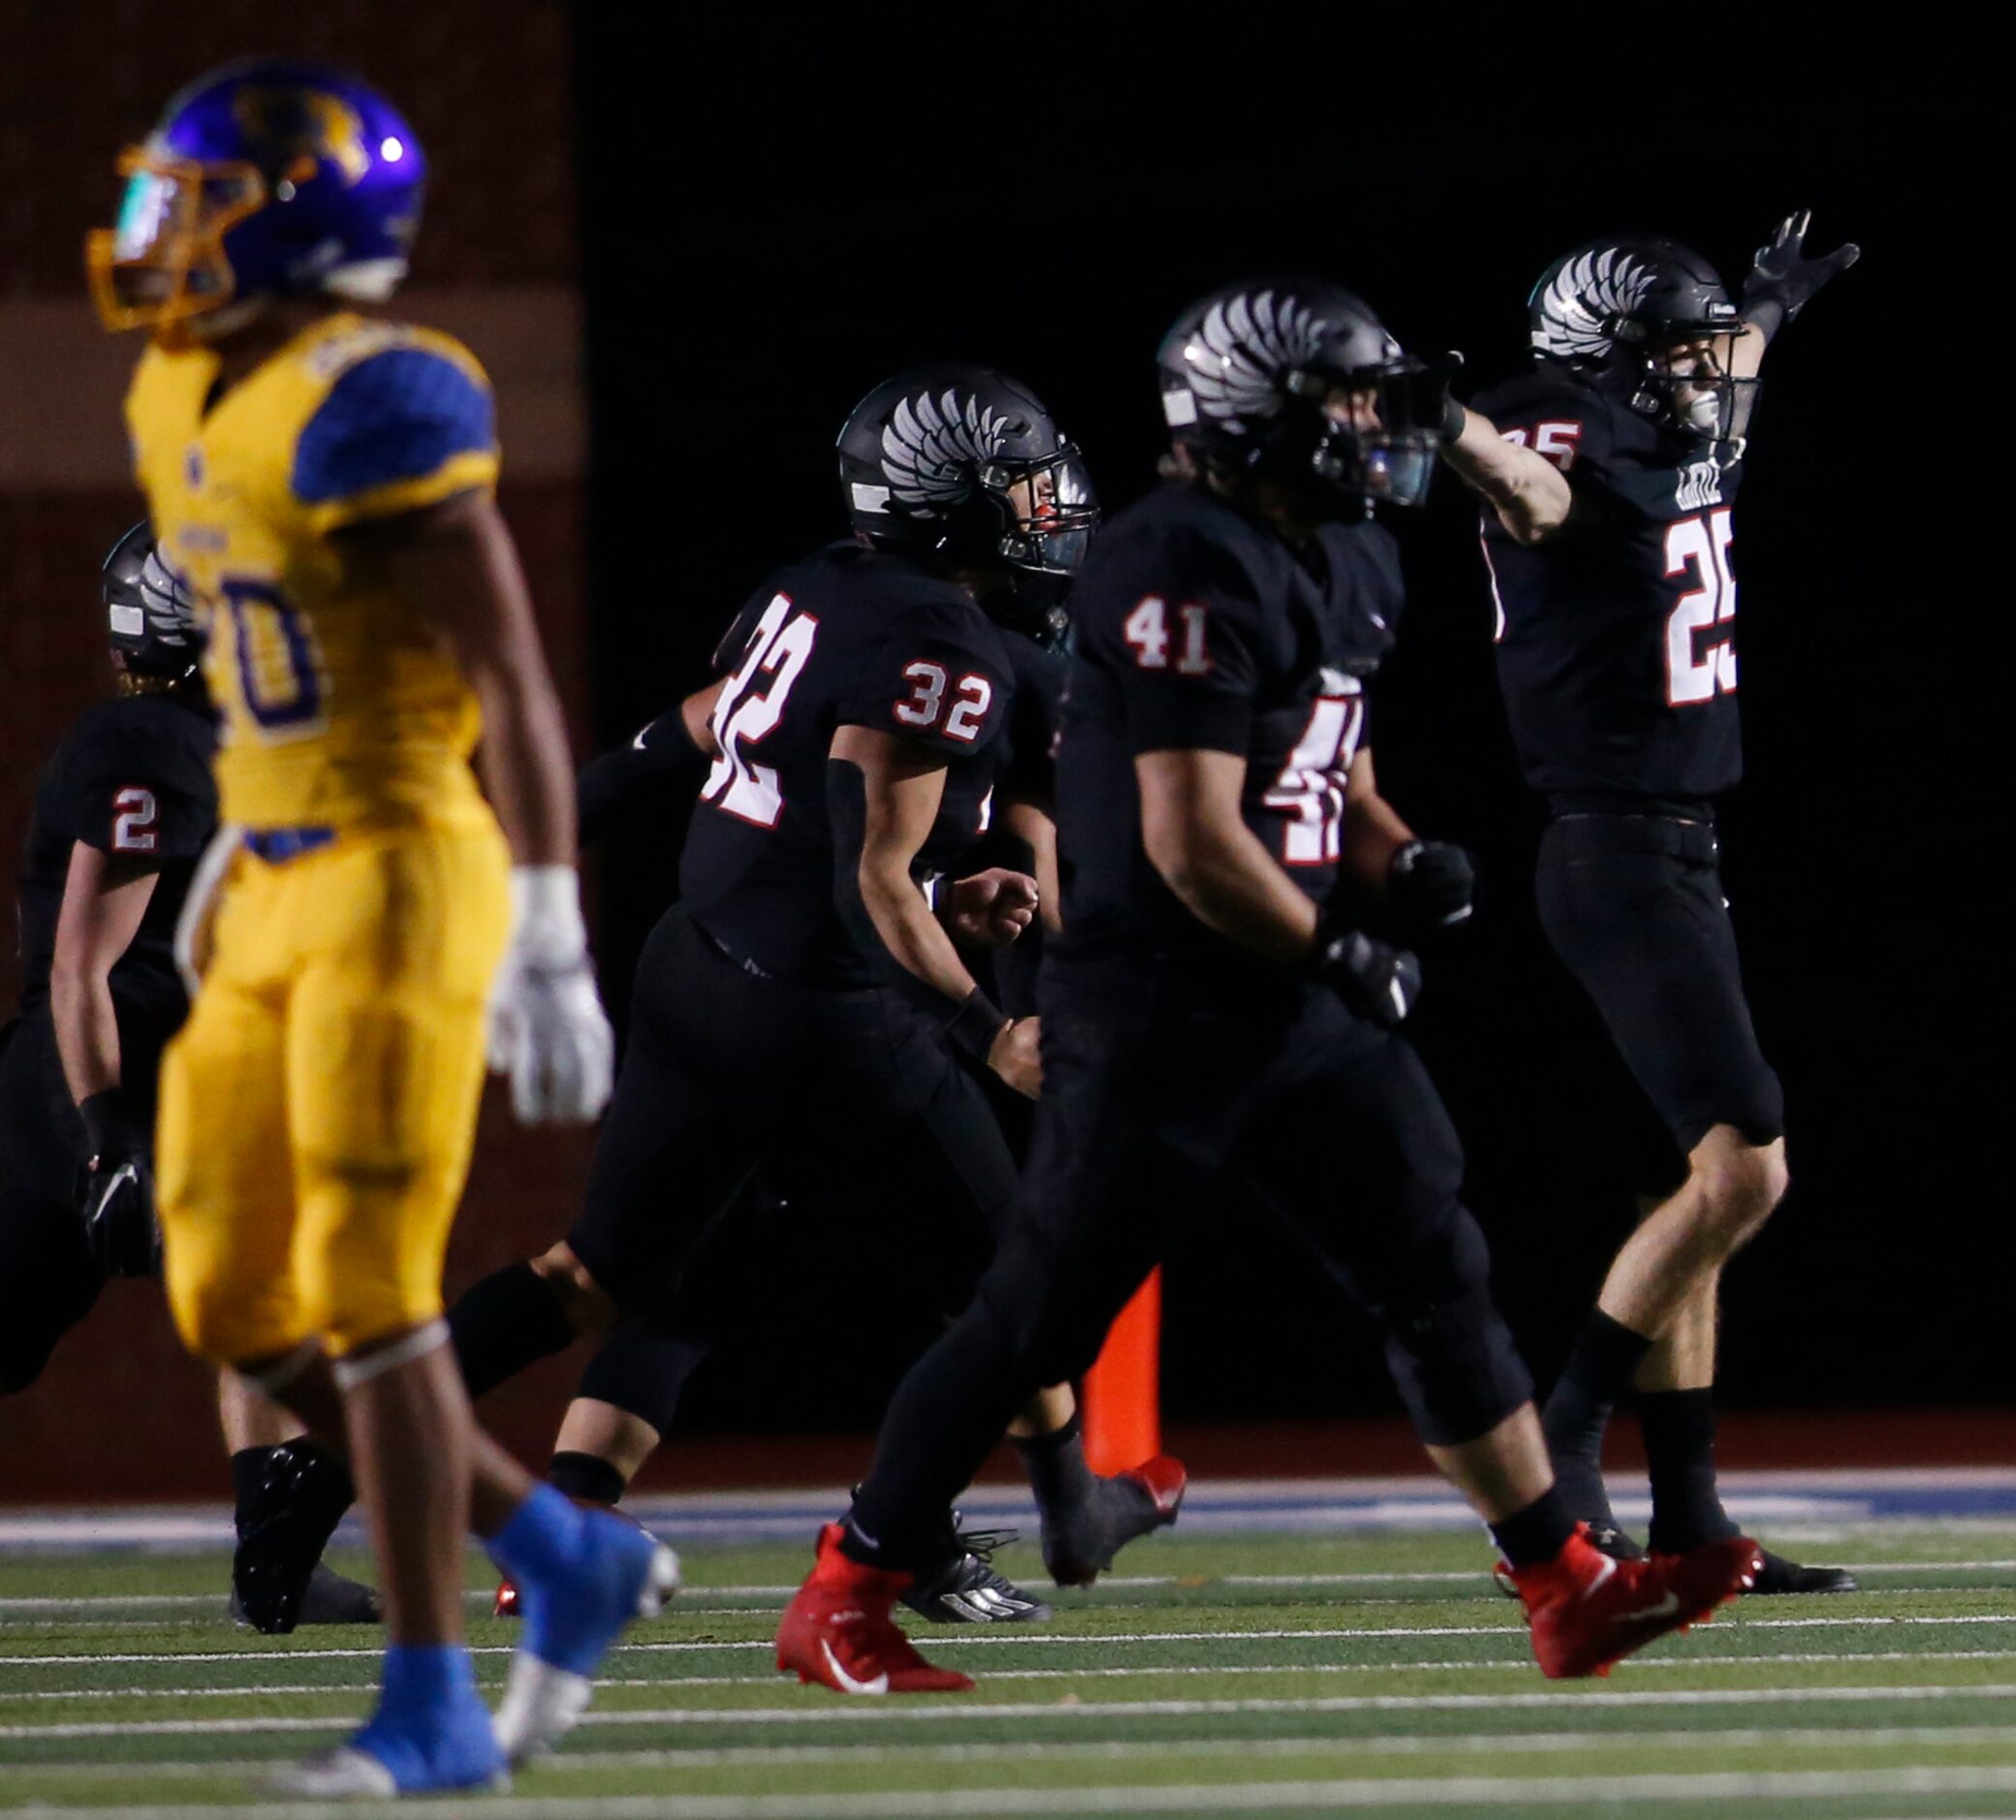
(339, 710)
(849, 637)
(1616, 642)
(1198, 627)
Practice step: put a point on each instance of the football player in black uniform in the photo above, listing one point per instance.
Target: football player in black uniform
(122, 814)
(1214, 1007)
(804, 997)
(1610, 470)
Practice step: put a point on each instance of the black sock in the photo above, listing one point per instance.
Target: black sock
(504, 1324)
(1537, 1533)
(1056, 1465)
(586, 1478)
(1679, 1430)
(940, 1426)
(1599, 1370)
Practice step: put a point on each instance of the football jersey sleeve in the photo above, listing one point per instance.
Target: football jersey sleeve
(1182, 632)
(128, 798)
(404, 427)
(938, 679)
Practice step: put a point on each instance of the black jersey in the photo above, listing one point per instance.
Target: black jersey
(1199, 627)
(1027, 757)
(849, 637)
(133, 779)
(1615, 642)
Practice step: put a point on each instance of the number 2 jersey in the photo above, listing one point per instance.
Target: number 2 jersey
(849, 637)
(1616, 642)
(1198, 627)
(338, 709)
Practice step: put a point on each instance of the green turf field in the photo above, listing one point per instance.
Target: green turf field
(1249, 1675)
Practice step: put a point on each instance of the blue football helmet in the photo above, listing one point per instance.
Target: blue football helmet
(265, 178)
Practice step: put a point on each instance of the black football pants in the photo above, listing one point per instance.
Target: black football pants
(1153, 1099)
(1633, 905)
(48, 1279)
(725, 1069)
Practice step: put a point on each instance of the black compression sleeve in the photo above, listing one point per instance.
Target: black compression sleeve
(972, 1024)
(661, 757)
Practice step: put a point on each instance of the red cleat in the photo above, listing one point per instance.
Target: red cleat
(838, 1631)
(1587, 1612)
(507, 1600)
(1080, 1540)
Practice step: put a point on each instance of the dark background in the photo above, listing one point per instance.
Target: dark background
(753, 225)
(840, 216)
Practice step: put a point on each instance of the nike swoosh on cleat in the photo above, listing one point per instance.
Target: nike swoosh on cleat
(1665, 1608)
(879, 1685)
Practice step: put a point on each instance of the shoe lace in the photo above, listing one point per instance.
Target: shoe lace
(982, 1542)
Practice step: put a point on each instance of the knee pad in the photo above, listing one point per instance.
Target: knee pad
(642, 1369)
(1449, 1350)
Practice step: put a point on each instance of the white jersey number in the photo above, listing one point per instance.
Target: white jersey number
(744, 714)
(1312, 785)
(1700, 668)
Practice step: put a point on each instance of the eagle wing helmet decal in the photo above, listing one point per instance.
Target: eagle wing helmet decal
(1585, 298)
(931, 447)
(1242, 347)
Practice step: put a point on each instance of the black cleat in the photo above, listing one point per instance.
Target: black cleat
(283, 1528)
(1606, 1538)
(330, 1599)
(1781, 1575)
(1080, 1540)
(970, 1592)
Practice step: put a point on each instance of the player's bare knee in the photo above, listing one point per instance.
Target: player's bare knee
(586, 1304)
(1737, 1185)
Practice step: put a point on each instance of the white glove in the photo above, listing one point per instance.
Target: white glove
(546, 1027)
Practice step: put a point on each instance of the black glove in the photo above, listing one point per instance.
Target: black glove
(1782, 279)
(1454, 414)
(1434, 881)
(1377, 983)
(119, 1205)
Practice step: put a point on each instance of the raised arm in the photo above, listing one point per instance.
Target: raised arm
(1529, 494)
(671, 754)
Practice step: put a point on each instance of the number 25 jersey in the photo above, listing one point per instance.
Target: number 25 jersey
(1615, 637)
(849, 637)
(337, 709)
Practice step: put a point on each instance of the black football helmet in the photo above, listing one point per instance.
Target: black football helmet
(150, 612)
(1613, 309)
(1251, 379)
(963, 463)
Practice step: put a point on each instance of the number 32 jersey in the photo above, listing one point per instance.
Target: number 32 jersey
(1198, 628)
(337, 709)
(849, 637)
(1615, 637)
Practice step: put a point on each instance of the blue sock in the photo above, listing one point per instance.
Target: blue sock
(425, 1678)
(542, 1538)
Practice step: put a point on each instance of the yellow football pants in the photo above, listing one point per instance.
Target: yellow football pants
(319, 1108)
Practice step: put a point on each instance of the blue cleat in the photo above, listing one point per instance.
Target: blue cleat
(432, 1732)
(581, 1575)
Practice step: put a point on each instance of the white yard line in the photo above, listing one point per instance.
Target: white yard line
(1461, 1792)
(1116, 1750)
(852, 1710)
(696, 1598)
(1001, 1637)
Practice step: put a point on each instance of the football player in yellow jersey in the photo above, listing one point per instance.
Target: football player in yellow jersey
(325, 480)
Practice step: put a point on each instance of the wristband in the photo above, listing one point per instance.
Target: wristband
(974, 1026)
(546, 922)
(1455, 415)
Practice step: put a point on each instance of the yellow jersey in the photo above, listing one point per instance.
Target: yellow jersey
(339, 710)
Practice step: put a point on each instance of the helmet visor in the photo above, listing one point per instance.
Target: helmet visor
(1382, 427)
(1699, 385)
(164, 258)
(1052, 509)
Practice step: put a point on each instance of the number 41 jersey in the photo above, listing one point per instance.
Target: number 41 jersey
(1616, 642)
(1199, 629)
(849, 637)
